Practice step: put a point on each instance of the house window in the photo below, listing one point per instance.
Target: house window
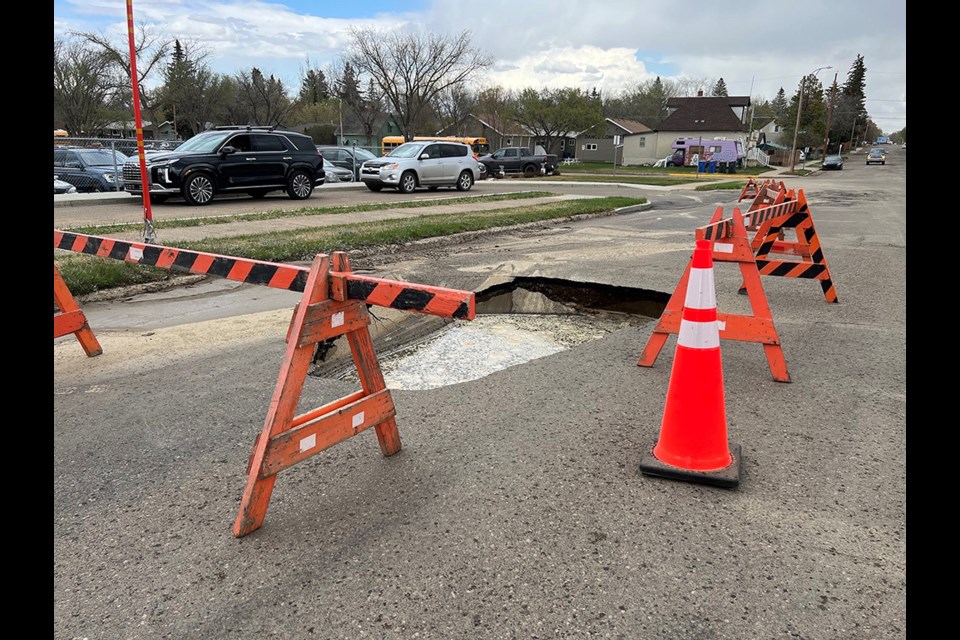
(591, 147)
(561, 142)
(642, 142)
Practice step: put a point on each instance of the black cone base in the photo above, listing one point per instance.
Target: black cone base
(727, 477)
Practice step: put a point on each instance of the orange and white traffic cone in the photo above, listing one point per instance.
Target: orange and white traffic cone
(693, 434)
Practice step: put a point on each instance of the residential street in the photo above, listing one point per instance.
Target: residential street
(516, 507)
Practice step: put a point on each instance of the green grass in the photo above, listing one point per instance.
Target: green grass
(84, 274)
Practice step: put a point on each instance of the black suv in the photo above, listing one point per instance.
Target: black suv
(251, 160)
(89, 170)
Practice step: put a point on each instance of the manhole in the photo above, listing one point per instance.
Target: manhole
(519, 321)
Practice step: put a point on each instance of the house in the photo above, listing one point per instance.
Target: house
(706, 117)
(128, 129)
(630, 138)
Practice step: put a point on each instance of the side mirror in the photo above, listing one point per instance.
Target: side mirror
(227, 150)
(424, 156)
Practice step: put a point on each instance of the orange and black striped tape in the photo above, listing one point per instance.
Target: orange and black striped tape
(438, 301)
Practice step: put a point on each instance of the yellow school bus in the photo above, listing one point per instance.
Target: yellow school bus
(479, 144)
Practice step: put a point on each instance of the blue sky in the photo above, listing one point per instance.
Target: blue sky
(609, 45)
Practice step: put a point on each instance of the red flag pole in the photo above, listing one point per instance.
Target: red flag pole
(148, 235)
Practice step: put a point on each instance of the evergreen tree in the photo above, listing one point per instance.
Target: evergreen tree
(850, 110)
(719, 89)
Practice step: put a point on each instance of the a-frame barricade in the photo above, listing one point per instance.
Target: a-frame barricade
(729, 244)
(749, 190)
(770, 223)
(70, 319)
(286, 438)
(334, 304)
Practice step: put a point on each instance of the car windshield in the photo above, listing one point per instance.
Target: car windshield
(408, 150)
(876, 152)
(207, 142)
(363, 154)
(100, 157)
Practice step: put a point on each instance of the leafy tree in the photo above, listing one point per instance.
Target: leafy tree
(644, 102)
(554, 113)
(719, 89)
(81, 87)
(813, 124)
(411, 69)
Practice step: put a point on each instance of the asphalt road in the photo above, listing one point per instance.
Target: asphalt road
(516, 508)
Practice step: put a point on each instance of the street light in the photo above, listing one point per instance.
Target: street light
(803, 81)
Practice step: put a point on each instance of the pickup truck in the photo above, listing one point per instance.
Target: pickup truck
(520, 160)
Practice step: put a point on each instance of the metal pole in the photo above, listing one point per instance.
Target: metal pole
(826, 138)
(148, 234)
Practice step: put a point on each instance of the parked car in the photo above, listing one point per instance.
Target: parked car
(59, 186)
(876, 156)
(429, 164)
(832, 162)
(346, 157)
(231, 159)
(89, 170)
(335, 173)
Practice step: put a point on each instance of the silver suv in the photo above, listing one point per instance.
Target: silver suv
(423, 164)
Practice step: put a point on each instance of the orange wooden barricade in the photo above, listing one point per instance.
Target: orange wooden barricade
(770, 222)
(730, 244)
(70, 319)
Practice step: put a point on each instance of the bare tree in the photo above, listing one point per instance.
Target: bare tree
(493, 107)
(453, 107)
(82, 87)
(150, 49)
(411, 69)
(261, 100)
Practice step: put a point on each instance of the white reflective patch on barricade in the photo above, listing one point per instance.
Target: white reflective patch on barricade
(698, 335)
(136, 253)
(723, 247)
(308, 443)
(701, 293)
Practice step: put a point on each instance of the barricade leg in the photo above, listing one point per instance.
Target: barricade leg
(71, 319)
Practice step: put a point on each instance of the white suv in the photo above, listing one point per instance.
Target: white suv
(423, 164)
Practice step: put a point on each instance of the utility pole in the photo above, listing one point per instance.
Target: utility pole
(826, 137)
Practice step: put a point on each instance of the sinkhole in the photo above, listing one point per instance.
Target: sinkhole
(516, 322)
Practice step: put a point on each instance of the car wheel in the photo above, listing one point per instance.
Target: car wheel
(529, 171)
(374, 187)
(198, 189)
(408, 182)
(465, 181)
(299, 185)
(257, 193)
(97, 188)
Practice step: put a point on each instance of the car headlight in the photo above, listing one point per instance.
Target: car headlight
(109, 177)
